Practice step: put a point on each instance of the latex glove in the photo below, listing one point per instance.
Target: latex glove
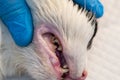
(93, 5)
(16, 15)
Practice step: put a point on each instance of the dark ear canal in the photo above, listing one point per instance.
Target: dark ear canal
(95, 31)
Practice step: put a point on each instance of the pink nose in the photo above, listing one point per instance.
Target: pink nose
(84, 75)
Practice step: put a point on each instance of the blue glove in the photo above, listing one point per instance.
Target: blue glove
(16, 15)
(93, 5)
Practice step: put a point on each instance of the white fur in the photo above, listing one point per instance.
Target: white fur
(71, 23)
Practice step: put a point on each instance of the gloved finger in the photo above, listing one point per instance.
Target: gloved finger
(16, 15)
(92, 5)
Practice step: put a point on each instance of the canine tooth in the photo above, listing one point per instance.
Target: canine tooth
(56, 41)
(60, 48)
(65, 70)
(65, 66)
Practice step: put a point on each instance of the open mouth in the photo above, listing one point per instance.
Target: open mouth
(56, 47)
(49, 40)
(50, 44)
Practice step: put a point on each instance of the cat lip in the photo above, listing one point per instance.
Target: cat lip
(41, 44)
(55, 61)
(52, 60)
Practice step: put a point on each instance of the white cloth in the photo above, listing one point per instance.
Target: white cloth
(104, 57)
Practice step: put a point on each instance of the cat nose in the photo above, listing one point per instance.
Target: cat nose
(84, 75)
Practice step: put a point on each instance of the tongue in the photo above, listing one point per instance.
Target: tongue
(61, 58)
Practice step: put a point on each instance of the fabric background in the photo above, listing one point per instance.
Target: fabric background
(104, 57)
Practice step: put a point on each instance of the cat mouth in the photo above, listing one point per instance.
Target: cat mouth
(57, 49)
(48, 40)
(60, 65)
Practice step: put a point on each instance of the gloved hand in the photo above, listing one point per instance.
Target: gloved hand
(93, 5)
(16, 15)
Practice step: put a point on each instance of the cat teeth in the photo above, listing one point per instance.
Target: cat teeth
(56, 41)
(65, 67)
(59, 48)
(65, 70)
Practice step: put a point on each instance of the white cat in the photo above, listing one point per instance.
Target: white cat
(63, 32)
